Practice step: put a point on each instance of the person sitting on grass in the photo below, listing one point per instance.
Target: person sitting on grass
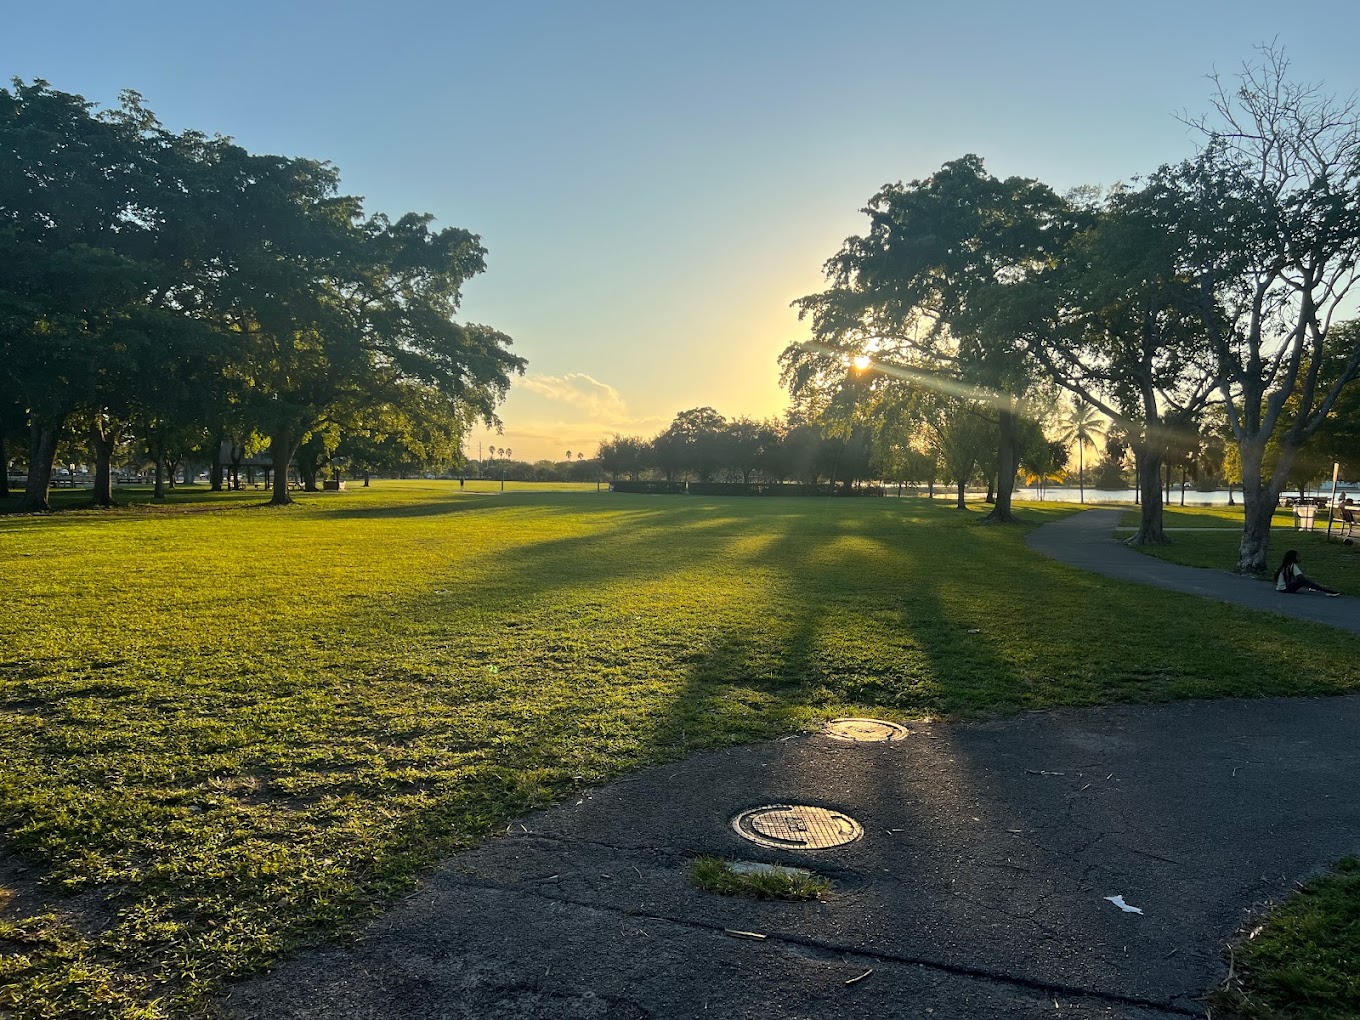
(1290, 577)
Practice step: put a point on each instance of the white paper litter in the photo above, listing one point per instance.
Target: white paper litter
(1118, 901)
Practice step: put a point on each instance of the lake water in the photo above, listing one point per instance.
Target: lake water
(1125, 495)
(1193, 497)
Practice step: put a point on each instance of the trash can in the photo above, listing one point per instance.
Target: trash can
(1304, 514)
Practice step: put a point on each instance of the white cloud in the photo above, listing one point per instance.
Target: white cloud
(545, 415)
(597, 399)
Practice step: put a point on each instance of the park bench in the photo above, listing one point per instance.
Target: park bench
(1347, 523)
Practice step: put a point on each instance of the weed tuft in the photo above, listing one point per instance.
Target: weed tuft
(756, 881)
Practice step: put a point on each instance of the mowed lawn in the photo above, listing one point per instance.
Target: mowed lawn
(1217, 536)
(227, 730)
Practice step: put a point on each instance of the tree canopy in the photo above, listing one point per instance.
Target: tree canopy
(176, 289)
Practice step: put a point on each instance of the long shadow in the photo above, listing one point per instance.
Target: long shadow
(458, 502)
(488, 724)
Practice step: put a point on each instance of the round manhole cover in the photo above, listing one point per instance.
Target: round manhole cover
(865, 731)
(796, 827)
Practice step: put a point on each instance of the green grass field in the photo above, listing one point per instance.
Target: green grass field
(229, 730)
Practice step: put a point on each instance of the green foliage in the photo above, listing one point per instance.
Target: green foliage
(231, 730)
(1337, 439)
(908, 304)
(182, 288)
(715, 875)
(1303, 963)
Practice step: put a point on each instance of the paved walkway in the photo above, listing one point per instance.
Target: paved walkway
(1086, 540)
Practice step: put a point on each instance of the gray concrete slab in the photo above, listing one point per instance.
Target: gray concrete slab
(1086, 540)
(977, 891)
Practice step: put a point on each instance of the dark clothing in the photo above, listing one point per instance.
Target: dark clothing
(1301, 582)
(1291, 579)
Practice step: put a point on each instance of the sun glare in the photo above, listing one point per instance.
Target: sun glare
(862, 361)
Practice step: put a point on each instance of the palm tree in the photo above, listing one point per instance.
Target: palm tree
(1083, 428)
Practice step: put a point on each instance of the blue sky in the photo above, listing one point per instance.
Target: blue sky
(655, 183)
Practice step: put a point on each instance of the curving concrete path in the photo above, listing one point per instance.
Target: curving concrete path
(1086, 540)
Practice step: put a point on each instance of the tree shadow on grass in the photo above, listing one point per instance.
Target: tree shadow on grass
(655, 630)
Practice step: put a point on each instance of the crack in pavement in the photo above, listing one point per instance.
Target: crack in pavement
(824, 946)
(992, 889)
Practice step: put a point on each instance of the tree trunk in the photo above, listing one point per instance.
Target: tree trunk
(1230, 495)
(42, 451)
(959, 504)
(280, 453)
(218, 469)
(1081, 469)
(1184, 479)
(1150, 484)
(1259, 497)
(365, 479)
(101, 444)
(1005, 470)
(1255, 548)
(4, 466)
(158, 455)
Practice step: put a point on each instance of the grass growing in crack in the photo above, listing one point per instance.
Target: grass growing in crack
(1303, 963)
(715, 875)
(228, 730)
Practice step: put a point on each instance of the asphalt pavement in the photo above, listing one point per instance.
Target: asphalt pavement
(979, 888)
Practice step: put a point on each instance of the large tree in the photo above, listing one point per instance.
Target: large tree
(1114, 320)
(906, 293)
(959, 432)
(72, 203)
(695, 441)
(176, 286)
(1270, 231)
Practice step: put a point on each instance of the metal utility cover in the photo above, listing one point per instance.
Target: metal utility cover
(865, 731)
(796, 827)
